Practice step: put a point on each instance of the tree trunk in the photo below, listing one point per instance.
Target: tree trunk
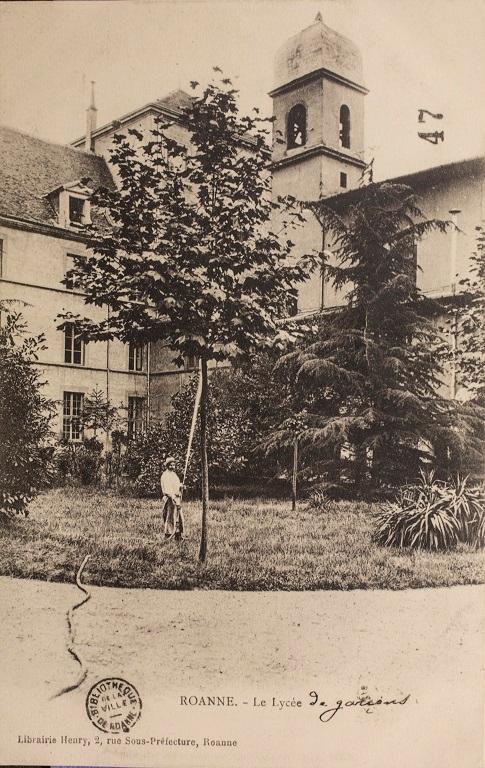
(360, 466)
(203, 459)
(295, 472)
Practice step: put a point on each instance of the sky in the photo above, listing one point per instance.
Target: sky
(417, 53)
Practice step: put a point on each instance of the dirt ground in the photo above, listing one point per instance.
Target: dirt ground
(428, 643)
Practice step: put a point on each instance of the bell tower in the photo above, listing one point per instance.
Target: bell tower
(318, 129)
(318, 107)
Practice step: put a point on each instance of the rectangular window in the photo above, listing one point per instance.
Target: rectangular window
(72, 428)
(73, 347)
(135, 358)
(136, 416)
(343, 180)
(291, 306)
(76, 210)
(191, 362)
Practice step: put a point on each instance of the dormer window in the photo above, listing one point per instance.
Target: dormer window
(76, 211)
(296, 127)
(71, 202)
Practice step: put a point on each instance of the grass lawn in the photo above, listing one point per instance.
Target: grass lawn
(252, 545)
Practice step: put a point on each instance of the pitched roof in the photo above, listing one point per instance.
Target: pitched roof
(173, 104)
(430, 177)
(471, 167)
(30, 168)
(178, 100)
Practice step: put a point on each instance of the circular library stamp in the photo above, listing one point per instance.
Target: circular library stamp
(113, 705)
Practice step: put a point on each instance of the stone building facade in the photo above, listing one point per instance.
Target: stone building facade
(321, 73)
(318, 151)
(44, 202)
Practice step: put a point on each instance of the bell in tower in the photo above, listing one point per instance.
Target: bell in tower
(318, 146)
(318, 108)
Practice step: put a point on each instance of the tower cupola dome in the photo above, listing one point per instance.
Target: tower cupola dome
(317, 48)
(318, 130)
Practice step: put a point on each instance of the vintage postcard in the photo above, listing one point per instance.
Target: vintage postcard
(242, 511)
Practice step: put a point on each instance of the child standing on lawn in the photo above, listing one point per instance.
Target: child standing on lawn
(171, 486)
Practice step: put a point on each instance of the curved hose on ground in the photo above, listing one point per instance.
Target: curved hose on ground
(72, 634)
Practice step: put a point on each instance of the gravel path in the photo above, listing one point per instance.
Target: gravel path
(428, 643)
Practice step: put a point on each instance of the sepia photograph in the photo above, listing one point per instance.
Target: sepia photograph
(242, 393)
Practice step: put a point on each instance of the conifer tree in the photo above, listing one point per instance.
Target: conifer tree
(376, 357)
(98, 412)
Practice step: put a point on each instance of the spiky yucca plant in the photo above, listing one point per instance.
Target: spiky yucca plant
(433, 515)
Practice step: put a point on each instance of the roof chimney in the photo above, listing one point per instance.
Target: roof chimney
(91, 119)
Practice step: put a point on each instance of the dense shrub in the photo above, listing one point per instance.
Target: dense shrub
(87, 464)
(434, 515)
(229, 439)
(143, 461)
(247, 402)
(63, 462)
(78, 463)
(148, 481)
(24, 417)
(93, 444)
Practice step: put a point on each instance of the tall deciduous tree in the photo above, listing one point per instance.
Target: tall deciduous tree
(192, 257)
(377, 355)
(25, 415)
